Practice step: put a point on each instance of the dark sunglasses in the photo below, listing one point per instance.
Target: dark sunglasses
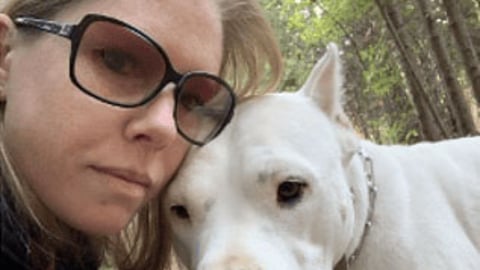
(120, 65)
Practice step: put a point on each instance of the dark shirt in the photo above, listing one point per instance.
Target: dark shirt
(14, 245)
(13, 239)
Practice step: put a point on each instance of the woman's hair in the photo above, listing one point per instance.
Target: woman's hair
(251, 58)
(251, 63)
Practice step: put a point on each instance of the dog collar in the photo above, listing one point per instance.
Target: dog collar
(372, 195)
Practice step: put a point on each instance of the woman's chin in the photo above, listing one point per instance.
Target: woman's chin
(103, 225)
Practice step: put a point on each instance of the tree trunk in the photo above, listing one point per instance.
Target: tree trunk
(464, 42)
(460, 111)
(430, 122)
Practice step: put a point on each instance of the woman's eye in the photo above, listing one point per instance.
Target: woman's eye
(117, 61)
(190, 102)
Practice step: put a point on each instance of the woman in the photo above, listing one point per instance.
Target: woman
(100, 102)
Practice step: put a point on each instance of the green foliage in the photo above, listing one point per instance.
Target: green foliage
(304, 27)
(380, 75)
(378, 98)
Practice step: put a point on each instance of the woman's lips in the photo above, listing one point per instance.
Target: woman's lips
(127, 175)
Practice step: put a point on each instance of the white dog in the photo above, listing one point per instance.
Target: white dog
(289, 186)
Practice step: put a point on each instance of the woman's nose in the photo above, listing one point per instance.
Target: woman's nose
(154, 124)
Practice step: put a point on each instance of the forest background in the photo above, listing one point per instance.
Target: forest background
(411, 66)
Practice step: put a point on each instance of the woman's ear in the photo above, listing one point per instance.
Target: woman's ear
(6, 32)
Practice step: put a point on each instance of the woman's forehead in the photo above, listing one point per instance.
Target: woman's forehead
(158, 11)
(188, 30)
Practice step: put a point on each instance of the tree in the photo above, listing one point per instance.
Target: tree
(464, 42)
(394, 90)
(460, 110)
(430, 121)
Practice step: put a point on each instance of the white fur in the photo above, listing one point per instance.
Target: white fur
(427, 211)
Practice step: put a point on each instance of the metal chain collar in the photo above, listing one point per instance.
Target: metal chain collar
(372, 195)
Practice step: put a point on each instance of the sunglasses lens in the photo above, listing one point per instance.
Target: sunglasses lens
(117, 64)
(203, 107)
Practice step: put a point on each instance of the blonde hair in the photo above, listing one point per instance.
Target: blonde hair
(252, 59)
(251, 63)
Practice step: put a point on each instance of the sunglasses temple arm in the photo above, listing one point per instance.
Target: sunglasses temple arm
(63, 30)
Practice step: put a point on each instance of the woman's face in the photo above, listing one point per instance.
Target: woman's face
(92, 164)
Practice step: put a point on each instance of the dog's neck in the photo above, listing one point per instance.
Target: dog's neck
(364, 208)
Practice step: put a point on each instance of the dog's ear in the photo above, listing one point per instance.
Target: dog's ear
(325, 85)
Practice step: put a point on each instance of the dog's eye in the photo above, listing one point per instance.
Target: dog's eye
(180, 211)
(290, 192)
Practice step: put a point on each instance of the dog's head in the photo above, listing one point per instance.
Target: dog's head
(270, 192)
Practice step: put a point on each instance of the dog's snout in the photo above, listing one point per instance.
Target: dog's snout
(231, 263)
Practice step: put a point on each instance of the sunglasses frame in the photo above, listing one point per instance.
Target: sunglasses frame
(75, 33)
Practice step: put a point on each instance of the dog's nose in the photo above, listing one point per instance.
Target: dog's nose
(231, 263)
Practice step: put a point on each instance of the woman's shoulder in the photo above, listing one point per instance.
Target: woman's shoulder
(13, 239)
(15, 244)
